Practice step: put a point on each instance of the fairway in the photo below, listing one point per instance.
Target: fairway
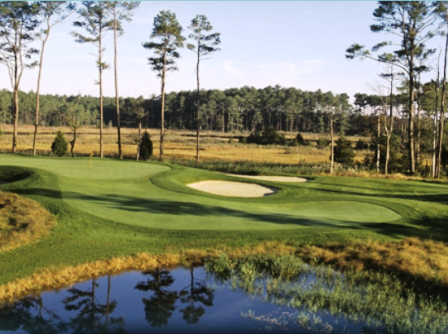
(129, 193)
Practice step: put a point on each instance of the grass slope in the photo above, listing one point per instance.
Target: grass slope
(120, 208)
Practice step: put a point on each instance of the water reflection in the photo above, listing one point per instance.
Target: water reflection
(160, 306)
(240, 298)
(92, 316)
(195, 294)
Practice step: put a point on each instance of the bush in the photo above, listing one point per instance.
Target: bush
(59, 145)
(322, 143)
(343, 151)
(145, 146)
(361, 145)
(268, 137)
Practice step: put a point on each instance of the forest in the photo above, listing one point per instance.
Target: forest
(403, 121)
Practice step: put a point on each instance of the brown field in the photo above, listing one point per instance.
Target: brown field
(179, 145)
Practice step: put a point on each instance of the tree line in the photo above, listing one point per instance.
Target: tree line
(414, 112)
(251, 110)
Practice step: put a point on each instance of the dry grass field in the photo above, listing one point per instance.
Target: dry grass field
(179, 145)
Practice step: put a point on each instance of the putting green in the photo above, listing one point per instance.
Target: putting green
(125, 192)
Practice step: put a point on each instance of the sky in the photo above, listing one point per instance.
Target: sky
(297, 44)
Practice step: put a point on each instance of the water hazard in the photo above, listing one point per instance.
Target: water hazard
(242, 300)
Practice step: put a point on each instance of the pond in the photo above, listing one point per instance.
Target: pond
(195, 300)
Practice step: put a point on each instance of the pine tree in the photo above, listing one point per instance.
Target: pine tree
(59, 145)
(145, 146)
(169, 31)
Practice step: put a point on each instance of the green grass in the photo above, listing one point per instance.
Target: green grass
(119, 208)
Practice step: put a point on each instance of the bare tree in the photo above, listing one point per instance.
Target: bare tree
(205, 46)
(96, 21)
(48, 10)
(121, 11)
(18, 19)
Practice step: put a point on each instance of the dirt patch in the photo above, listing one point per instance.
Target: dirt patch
(233, 189)
(271, 178)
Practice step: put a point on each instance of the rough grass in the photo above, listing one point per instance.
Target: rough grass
(426, 260)
(22, 221)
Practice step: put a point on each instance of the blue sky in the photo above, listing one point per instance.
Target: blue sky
(293, 44)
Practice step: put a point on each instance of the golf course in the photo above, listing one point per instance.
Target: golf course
(108, 209)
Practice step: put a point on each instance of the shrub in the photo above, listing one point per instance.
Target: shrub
(268, 137)
(322, 143)
(300, 140)
(343, 151)
(59, 145)
(145, 146)
(361, 145)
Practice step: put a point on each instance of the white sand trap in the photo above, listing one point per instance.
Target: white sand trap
(233, 189)
(271, 178)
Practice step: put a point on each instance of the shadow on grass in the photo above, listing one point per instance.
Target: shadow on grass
(180, 208)
(440, 198)
(422, 227)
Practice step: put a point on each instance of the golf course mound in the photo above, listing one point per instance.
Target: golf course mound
(233, 189)
(271, 178)
(22, 220)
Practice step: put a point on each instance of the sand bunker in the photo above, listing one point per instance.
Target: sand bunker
(271, 178)
(233, 189)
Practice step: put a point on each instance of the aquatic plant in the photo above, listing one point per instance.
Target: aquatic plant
(378, 301)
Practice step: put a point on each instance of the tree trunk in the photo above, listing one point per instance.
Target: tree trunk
(417, 144)
(434, 130)
(16, 118)
(198, 101)
(391, 125)
(223, 120)
(117, 100)
(72, 143)
(332, 145)
(442, 115)
(411, 124)
(139, 139)
(100, 66)
(378, 147)
(162, 110)
(41, 63)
